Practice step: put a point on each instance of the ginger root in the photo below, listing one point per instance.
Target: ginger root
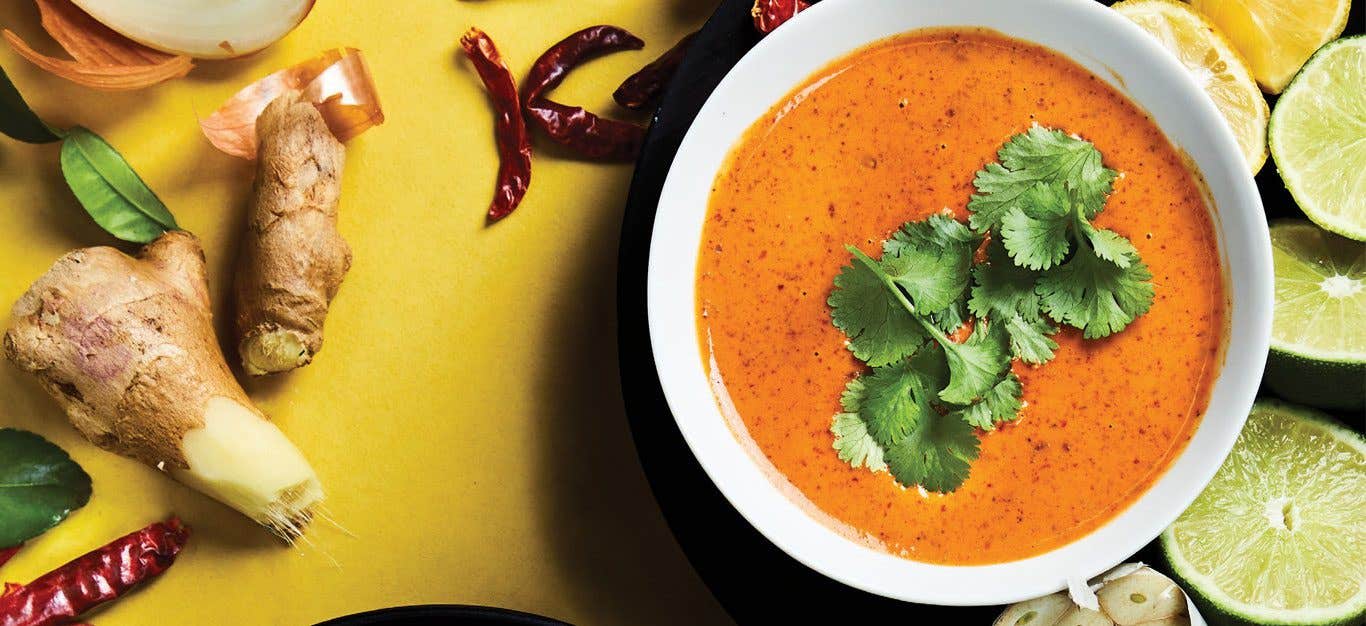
(126, 347)
(293, 259)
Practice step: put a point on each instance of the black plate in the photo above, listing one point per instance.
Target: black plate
(752, 578)
(443, 614)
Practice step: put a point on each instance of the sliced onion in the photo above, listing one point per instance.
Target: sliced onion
(104, 59)
(338, 82)
(205, 29)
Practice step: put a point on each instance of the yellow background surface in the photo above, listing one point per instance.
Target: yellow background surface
(465, 414)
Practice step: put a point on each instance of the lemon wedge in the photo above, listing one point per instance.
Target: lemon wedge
(1277, 36)
(1214, 63)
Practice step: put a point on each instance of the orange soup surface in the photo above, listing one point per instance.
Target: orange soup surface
(894, 133)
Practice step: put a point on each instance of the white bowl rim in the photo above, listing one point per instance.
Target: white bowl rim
(1113, 49)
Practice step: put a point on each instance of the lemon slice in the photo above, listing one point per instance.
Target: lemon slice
(1214, 63)
(1277, 36)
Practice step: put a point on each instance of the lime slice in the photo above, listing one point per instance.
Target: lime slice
(1318, 334)
(1214, 63)
(1276, 36)
(1279, 535)
(1318, 137)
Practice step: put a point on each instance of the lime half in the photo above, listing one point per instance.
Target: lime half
(1318, 335)
(1279, 536)
(1318, 137)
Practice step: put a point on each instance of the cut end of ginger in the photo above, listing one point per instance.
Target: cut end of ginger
(274, 351)
(246, 462)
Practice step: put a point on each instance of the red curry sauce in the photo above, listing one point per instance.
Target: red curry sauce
(891, 134)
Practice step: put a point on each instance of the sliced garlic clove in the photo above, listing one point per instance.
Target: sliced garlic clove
(1175, 620)
(1142, 596)
(1043, 611)
(1078, 616)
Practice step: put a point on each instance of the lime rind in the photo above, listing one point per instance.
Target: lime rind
(1319, 143)
(1239, 505)
(1305, 257)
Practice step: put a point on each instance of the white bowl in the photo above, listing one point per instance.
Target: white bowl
(1113, 49)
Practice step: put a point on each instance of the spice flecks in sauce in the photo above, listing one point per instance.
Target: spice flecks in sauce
(894, 133)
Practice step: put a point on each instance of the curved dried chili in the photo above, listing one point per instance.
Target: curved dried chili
(514, 145)
(94, 578)
(574, 127)
(644, 87)
(770, 14)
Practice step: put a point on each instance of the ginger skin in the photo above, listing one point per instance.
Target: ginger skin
(126, 347)
(293, 258)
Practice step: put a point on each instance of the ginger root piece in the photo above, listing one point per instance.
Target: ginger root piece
(293, 259)
(126, 347)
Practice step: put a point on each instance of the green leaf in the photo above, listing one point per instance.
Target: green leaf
(867, 308)
(1035, 231)
(931, 260)
(952, 317)
(39, 486)
(1030, 341)
(1038, 155)
(932, 279)
(852, 398)
(19, 121)
(936, 455)
(111, 192)
(976, 365)
(1109, 245)
(1003, 289)
(854, 444)
(1001, 404)
(938, 231)
(1095, 295)
(896, 397)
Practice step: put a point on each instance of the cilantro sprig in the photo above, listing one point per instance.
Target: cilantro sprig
(917, 413)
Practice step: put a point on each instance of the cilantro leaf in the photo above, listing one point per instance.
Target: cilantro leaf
(854, 444)
(936, 455)
(1038, 155)
(975, 365)
(1035, 231)
(897, 397)
(1095, 295)
(1030, 340)
(869, 312)
(888, 407)
(1004, 293)
(852, 398)
(931, 260)
(1109, 245)
(952, 317)
(936, 231)
(1001, 404)
(1002, 289)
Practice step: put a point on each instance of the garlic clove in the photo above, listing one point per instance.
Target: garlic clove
(1043, 611)
(1142, 596)
(1078, 616)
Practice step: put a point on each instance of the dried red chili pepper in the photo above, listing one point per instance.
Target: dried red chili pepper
(644, 87)
(8, 553)
(514, 145)
(770, 14)
(94, 578)
(573, 127)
